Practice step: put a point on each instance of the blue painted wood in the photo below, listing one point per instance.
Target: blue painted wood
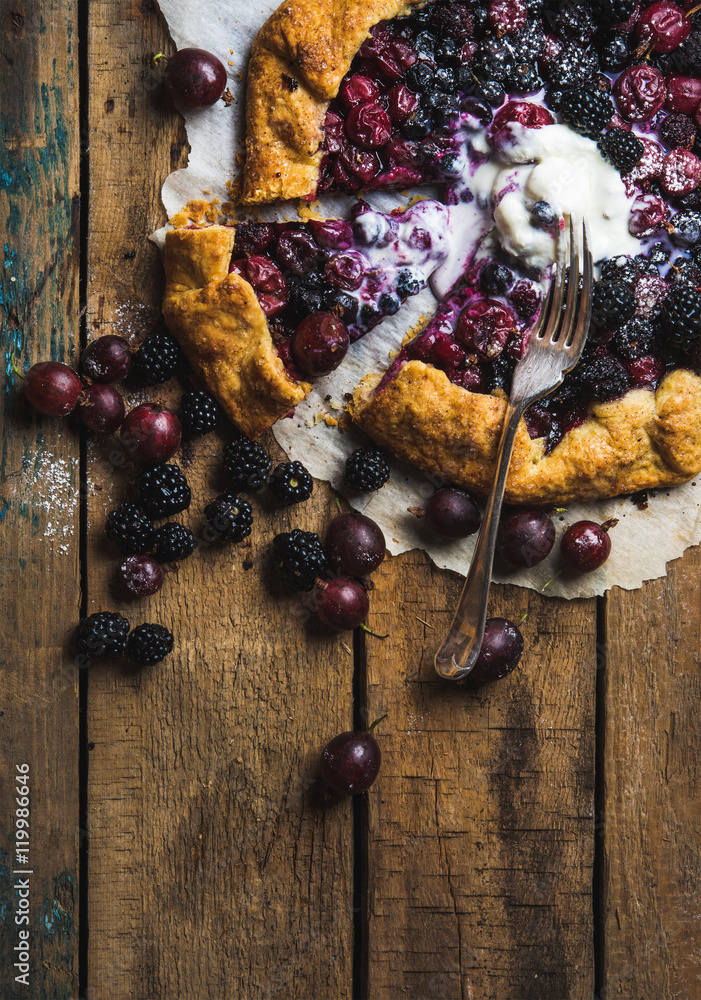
(39, 496)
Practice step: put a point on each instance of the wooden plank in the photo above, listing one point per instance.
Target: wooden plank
(39, 517)
(481, 824)
(650, 820)
(215, 869)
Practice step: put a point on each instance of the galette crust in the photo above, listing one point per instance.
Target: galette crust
(298, 61)
(643, 440)
(223, 331)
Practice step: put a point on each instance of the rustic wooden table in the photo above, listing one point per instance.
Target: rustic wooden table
(539, 839)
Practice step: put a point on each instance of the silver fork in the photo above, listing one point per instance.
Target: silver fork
(555, 347)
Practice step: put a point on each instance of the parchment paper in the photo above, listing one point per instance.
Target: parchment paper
(643, 541)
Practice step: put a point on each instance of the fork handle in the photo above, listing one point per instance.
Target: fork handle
(456, 657)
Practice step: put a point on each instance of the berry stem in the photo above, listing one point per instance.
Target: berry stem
(13, 363)
(378, 721)
(370, 632)
(157, 58)
(551, 580)
(528, 612)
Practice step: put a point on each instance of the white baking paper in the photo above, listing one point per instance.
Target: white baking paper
(643, 541)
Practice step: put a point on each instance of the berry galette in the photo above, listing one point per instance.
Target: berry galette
(522, 112)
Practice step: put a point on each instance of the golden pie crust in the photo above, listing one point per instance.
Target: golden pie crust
(223, 331)
(298, 61)
(643, 440)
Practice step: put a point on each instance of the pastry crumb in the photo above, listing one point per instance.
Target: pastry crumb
(309, 210)
(331, 421)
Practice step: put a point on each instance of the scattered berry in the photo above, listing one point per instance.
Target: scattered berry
(350, 762)
(500, 652)
(299, 558)
(247, 463)
(141, 575)
(623, 149)
(195, 78)
(453, 513)
(355, 544)
(291, 483)
(52, 388)
(173, 542)
(198, 413)
(366, 470)
(585, 546)
(130, 527)
(107, 359)
(526, 537)
(102, 410)
(163, 491)
(149, 644)
(342, 604)
(150, 434)
(102, 634)
(229, 517)
(157, 358)
(586, 111)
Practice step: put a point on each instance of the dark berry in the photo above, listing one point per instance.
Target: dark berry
(526, 537)
(495, 278)
(686, 231)
(52, 388)
(574, 67)
(150, 434)
(198, 413)
(664, 25)
(683, 94)
(102, 410)
(453, 513)
(634, 339)
(229, 517)
(195, 78)
(247, 463)
(107, 359)
(544, 215)
(149, 644)
(639, 92)
(299, 558)
(604, 378)
(678, 132)
(350, 762)
(366, 470)
(355, 544)
(102, 634)
(585, 546)
(614, 303)
(130, 527)
(586, 111)
(157, 358)
(342, 604)
(619, 269)
(266, 280)
(141, 576)
(621, 148)
(320, 343)
(291, 483)
(681, 316)
(407, 285)
(616, 11)
(172, 542)
(500, 652)
(163, 491)
(614, 53)
(297, 251)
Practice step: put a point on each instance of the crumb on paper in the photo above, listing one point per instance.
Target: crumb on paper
(416, 329)
(331, 421)
(334, 404)
(227, 97)
(309, 210)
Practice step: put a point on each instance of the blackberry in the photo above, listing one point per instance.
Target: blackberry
(247, 463)
(659, 254)
(604, 378)
(687, 229)
(646, 266)
(678, 132)
(634, 339)
(619, 269)
(130, 527)
(229, 517)
(586, 111)
(419, 77)
(687, 58)
(524, 79)
(157, 358)
(621, 148)
(172, 542)
(102, 634)
(149, 644)
(681, 316)
(163, 491)
(407, 285)
(490, 91)
(291, 483)
(492, 60)
(615, 11)
(299, 558)
(501, 373)
(574, 68)
(614, 54)
(614, 303)
(343, 305)
(366, 470)
(576, 22)
(495, 278)
(198, 412)
(526, 43)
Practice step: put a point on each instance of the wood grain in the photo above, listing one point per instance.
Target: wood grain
(39, 518)
(650, 822)
(215, 869)
(481, 824)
